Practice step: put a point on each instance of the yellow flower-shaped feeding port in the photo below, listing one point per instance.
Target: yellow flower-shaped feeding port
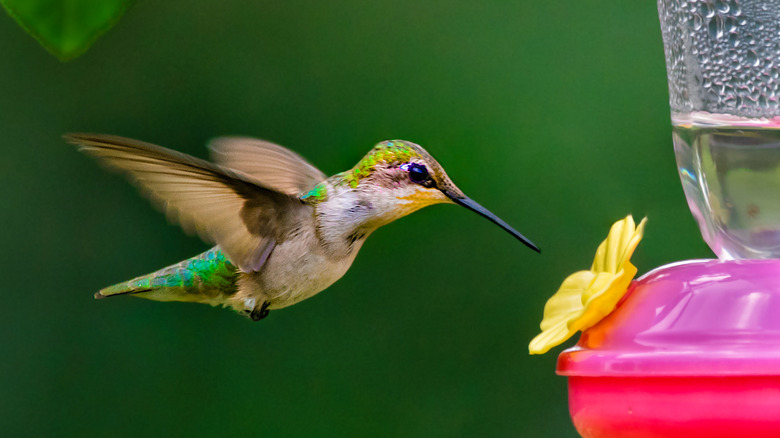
(586, 297)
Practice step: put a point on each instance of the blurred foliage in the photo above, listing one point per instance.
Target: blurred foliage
(66, 28)
(554, 115)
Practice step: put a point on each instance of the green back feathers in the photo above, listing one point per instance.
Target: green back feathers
(317, 194)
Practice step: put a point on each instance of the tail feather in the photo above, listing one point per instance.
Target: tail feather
(122, 289)
(206, 278)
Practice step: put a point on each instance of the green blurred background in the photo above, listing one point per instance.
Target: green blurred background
(552, 114)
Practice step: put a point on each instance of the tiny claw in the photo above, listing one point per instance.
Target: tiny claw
(262, 312)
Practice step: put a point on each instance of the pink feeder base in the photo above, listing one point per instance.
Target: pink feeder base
(669, 407)
(693, 350)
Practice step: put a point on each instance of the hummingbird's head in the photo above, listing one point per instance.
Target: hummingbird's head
(400, 177)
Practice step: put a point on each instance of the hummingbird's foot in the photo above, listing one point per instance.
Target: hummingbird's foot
(260, 313)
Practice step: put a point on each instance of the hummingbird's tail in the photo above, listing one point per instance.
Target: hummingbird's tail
(128, 287)
(205, 278)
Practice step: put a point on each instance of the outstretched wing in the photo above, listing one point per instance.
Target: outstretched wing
(272, 165)
(223, 206)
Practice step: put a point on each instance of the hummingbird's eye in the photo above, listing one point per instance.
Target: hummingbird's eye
(418, 174)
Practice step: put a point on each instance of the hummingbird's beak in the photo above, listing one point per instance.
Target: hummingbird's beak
(473, 206)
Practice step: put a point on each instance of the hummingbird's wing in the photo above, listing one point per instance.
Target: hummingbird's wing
(223, 206)
(272, 165)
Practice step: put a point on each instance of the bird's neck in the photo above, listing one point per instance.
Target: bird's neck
(348, 215)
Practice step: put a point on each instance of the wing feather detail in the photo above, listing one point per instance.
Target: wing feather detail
(273, 165)
(244, 217)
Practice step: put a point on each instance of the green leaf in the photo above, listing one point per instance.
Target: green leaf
(66, 28)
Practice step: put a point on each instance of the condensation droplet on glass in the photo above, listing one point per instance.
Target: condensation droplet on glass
(731, 24)
(722, 6)
(733, 40)
(706, 10)
(735, 8)
(716, 27)
(697, 22)
(752, 58)
(713, 95)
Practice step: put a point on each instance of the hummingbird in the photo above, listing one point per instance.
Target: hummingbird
(283, 230)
